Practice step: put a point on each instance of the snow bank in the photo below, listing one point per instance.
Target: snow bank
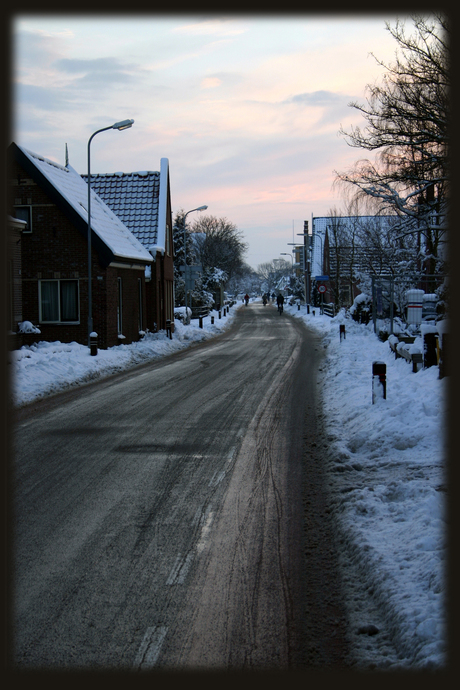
(389, 482)
(46, 368)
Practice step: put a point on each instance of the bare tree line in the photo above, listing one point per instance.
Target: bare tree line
(408, 127)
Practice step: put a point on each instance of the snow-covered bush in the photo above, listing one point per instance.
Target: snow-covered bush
(183, 314)
(361, 309)
(28, 327)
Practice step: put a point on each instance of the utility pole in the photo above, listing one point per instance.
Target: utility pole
(306, 262)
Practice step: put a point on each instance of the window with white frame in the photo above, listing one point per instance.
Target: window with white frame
(59, 301)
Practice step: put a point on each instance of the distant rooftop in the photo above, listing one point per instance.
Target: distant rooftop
(134, 198)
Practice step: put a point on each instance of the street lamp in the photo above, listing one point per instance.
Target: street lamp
(287, 254)
(200, 208)
(123, 124)
(292, 264)
(306, 261)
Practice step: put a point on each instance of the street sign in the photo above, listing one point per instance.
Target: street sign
(193, 270)
(321, 279)
(321, 288)
(191, 274)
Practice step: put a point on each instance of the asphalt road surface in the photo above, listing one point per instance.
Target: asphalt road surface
(176, 516)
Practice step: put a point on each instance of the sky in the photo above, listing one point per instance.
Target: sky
(386, 469)
(246, 108)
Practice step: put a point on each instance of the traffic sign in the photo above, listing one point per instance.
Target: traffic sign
(321, 288)
(320, 279)
(193, 270)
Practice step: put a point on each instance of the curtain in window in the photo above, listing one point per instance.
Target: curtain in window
(59, 300)
(69, 300)
(49, 300)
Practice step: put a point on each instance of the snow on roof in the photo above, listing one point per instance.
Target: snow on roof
(139, 199)
(108, 226)
(17, 222)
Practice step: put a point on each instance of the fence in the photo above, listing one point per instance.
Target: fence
(198, 312)
(329, 309)
(435, 351)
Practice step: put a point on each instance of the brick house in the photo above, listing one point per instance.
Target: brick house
(142, 201)
(53, 200)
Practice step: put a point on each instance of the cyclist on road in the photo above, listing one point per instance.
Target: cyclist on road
(246, 299)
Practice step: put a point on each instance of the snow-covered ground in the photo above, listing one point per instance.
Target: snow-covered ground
(388, 475)
(387, 469)
(47, 368)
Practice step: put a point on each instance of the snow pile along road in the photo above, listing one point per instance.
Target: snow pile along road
(46, 368)
(387, 467)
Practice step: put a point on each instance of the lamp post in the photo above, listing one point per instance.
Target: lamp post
(306, 261)
(290, 255)
(200, 208)
(292, 265)
(124, 124)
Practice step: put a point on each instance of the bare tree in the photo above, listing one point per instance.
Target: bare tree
(407, 125)
(341, 241)
(218, 244)
(271, 272)
(361, 246)
(244, 280)
(385, 250)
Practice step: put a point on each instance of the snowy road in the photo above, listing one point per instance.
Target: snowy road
(173, 516)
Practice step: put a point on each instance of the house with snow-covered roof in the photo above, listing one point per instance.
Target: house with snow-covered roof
(52, 199)
(142, 201)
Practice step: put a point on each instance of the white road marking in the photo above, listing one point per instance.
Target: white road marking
(150, 647)
(217, 478)
(202, 541)
(197, 517)
(180, 569)
(185, 568)
(231, 452)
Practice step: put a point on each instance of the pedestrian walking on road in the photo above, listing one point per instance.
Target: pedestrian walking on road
(280, 303)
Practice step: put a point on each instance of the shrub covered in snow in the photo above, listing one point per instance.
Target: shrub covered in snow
(28, 327)
(361, 308)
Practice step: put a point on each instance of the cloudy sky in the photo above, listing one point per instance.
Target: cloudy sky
(246, 108)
